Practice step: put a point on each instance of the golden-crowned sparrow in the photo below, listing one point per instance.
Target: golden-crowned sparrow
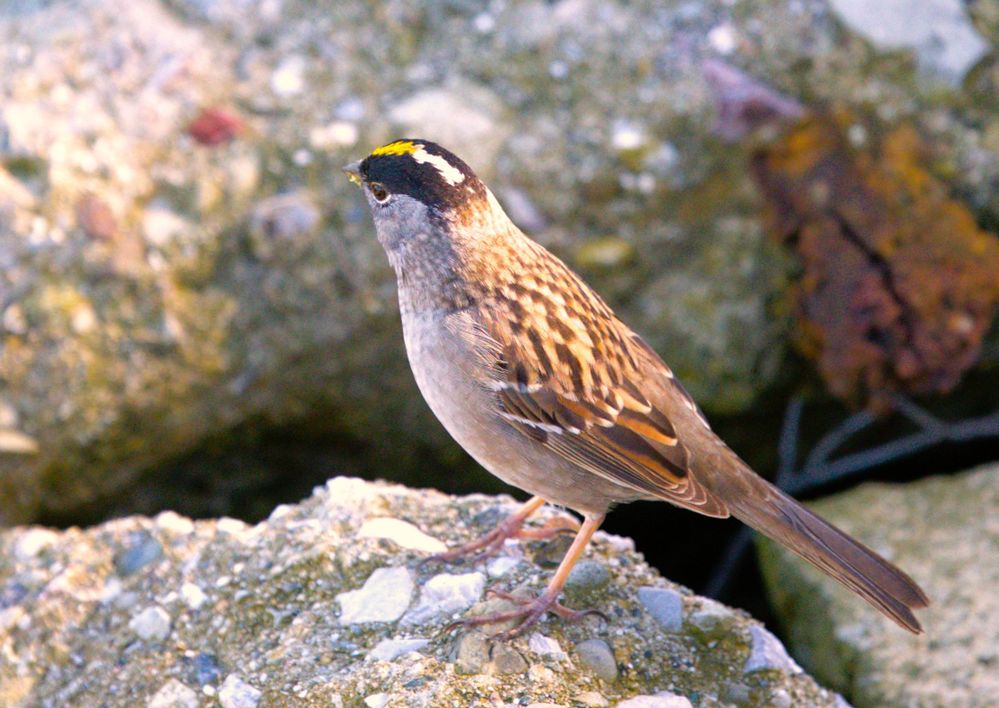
(533, 374)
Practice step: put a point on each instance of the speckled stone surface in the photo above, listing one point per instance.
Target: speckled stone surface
(266, 625)
(944, 531)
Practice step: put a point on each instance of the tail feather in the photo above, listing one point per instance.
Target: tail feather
(771, 512)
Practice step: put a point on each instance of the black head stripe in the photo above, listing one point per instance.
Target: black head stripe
(425, 171)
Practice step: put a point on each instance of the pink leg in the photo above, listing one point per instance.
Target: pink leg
(532, 610)
(510, 527)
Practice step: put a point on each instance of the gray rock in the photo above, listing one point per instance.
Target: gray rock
(545, 646)
(384, 596)
(665, 605)
(174, 694)
(659, 700)
(943, 532)
(444, 595)
(938, 30)
(506, 660)
(143, 550)
(587, 576)
(595, 655)
(269, 631)
(391, 649)
(152, 623)
(766, 652)
(237, 693)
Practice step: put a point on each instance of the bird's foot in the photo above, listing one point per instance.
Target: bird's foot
(529, 612)
(510, 527)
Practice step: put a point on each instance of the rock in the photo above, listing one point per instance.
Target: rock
(766, 652)
(545, 646)
(174, 694)
(153, 623)
(445, 594)
(391, 649)
(237, 693)
(665, 605)
(942, 531)
(940, 31)
(142, 551)
(192, 595)
(587, 576)
(402, 533)
(596, 656)
(501, 565)
(659, 700)
(384, 596)
(269, 632)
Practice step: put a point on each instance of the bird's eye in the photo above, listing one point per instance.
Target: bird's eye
(379, 192)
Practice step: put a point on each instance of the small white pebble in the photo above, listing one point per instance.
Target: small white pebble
(32, 542)
(174, 522)
(192, 595)
(237, 693)
(545, 646)
(723, 39)
(501, 565)
(484, 23)
(233, 527)
(444, 595)
(289, 77)
(153, 623)
(174, 694)
(402, 533)
(377, 700)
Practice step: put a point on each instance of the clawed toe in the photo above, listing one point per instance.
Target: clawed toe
(529, 613)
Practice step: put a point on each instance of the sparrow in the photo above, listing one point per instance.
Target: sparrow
(533, 374)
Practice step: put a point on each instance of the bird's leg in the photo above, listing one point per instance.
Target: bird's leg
(531, 611)
(510, 527)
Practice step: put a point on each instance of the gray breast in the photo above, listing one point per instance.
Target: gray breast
(445, 366)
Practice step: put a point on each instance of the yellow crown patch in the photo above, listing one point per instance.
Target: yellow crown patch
(399, 147)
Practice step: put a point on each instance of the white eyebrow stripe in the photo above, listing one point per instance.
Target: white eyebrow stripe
(448, 171)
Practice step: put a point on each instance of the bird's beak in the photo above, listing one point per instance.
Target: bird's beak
(353, 172)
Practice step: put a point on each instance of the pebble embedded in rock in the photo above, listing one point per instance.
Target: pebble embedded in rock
(596, 656)
(192, 595)
(664, 699)
(472, 653)
(501, 565)
(384, 596)
(592, 699)
(545, 646)
(206, 668)
(237, 693)
(32, 542)
(587, 576)
(665, 605)
(377, 700)
(143, 550)
(172, 521)
(174, 694)
(391, 649)
(401, 532)
(153, 623)
(507, 660)
(767, 652)
(713, 618)
(939, 31)
(444, 595)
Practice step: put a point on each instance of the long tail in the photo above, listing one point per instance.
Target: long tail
(768, 510)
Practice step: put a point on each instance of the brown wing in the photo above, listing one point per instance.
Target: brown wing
(578, 390)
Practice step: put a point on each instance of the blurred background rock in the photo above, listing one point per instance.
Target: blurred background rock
(194, 312)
